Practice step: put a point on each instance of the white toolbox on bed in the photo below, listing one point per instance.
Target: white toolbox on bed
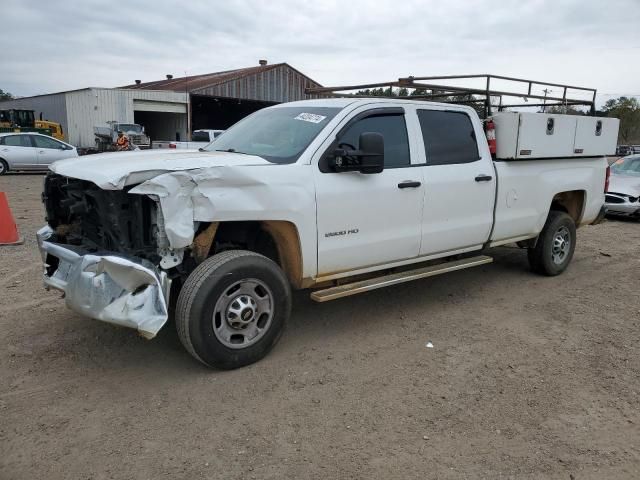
(524, 135)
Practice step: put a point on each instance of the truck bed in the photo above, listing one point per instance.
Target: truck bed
(526, 189)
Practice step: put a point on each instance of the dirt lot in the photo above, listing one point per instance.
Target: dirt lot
(529, 377)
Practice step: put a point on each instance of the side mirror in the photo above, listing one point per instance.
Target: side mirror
(371, 147)
(369, 158)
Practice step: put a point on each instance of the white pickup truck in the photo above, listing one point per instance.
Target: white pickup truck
(338, 196)
(199, 139)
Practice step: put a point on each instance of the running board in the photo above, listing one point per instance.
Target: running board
(396, 278)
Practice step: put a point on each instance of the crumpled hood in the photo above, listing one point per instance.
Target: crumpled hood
(626, 184)
(115, 170)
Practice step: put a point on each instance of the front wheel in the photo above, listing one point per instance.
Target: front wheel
(557, 241)
(232, 309)
(4, 168)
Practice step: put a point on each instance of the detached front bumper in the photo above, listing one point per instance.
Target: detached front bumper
(626, 209)
(622, 204)
(106, 287)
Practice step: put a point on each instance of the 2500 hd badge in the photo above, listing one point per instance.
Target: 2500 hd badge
(341, 232)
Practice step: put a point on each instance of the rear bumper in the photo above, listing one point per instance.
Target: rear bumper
(106, 287)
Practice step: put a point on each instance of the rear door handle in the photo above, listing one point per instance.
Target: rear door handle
(484, 178)
(409, 184)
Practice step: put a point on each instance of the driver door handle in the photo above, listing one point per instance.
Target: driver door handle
(483, 178)
(409, 184)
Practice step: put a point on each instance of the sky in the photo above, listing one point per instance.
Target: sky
(63, 45)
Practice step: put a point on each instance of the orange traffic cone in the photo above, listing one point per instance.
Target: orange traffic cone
(8, 230)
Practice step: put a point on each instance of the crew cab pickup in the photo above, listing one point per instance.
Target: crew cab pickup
(338, 196)
(199, 139)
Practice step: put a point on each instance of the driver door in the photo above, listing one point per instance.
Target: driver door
(48, 150)
(366, 220)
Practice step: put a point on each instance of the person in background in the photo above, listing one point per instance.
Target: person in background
(122, 142)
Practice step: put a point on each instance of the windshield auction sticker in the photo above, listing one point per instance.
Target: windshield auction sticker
(310, 117)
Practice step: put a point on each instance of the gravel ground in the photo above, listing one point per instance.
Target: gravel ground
(529, 377)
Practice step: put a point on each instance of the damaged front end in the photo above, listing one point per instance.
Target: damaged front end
(623, 204)
(100, 248)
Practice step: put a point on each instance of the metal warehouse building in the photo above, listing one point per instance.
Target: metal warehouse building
(79, 110)
(170, 108)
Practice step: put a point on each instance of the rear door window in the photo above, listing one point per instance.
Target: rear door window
(17, 141)
(200, 137)
(449, 137)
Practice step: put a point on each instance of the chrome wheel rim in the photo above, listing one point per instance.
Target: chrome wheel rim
(1, 168)
(561, 245)
(243, 313)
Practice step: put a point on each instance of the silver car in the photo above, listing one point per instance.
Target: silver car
(623, 196)
(31, 151)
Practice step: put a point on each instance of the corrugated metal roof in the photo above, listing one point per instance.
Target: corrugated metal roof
(199, 82)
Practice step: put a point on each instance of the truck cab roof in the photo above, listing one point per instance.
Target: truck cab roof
(356, 101)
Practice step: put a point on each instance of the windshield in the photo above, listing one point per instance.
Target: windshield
(627, 166)
(130, 127)
(278, 135)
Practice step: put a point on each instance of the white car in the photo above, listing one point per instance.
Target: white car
(31, 151)
(623, 196)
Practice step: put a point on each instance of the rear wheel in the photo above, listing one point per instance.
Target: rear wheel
(232, 309)
(4, 168)
(557, 241)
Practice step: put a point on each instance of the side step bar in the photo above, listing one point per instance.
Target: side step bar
(395, 278)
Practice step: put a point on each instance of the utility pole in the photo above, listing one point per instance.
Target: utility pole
(544, 102)
(188, 100)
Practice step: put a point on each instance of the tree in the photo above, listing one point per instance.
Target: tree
(384, 92)
(628, 111)
(419, 91)
(564, 110)
(468, 98)
(5, 95)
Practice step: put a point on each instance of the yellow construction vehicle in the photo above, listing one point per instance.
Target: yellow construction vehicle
(56, 128)
(15, 120)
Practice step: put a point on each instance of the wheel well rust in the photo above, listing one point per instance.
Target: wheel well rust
(571, 202)
(276, 239)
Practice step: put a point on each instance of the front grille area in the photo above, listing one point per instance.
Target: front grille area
(614, 198)
(137, 139)
(99, 220)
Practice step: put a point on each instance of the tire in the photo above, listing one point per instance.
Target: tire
(232, 309)
(554, 250)
(4, 167)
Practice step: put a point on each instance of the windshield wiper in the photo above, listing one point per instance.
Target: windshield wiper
(233, 150)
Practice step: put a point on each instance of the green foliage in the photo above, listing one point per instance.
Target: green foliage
(466, 99)
(384, 92)
(5, 95)
(564, 110)
(628, 111)
(419, 91)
